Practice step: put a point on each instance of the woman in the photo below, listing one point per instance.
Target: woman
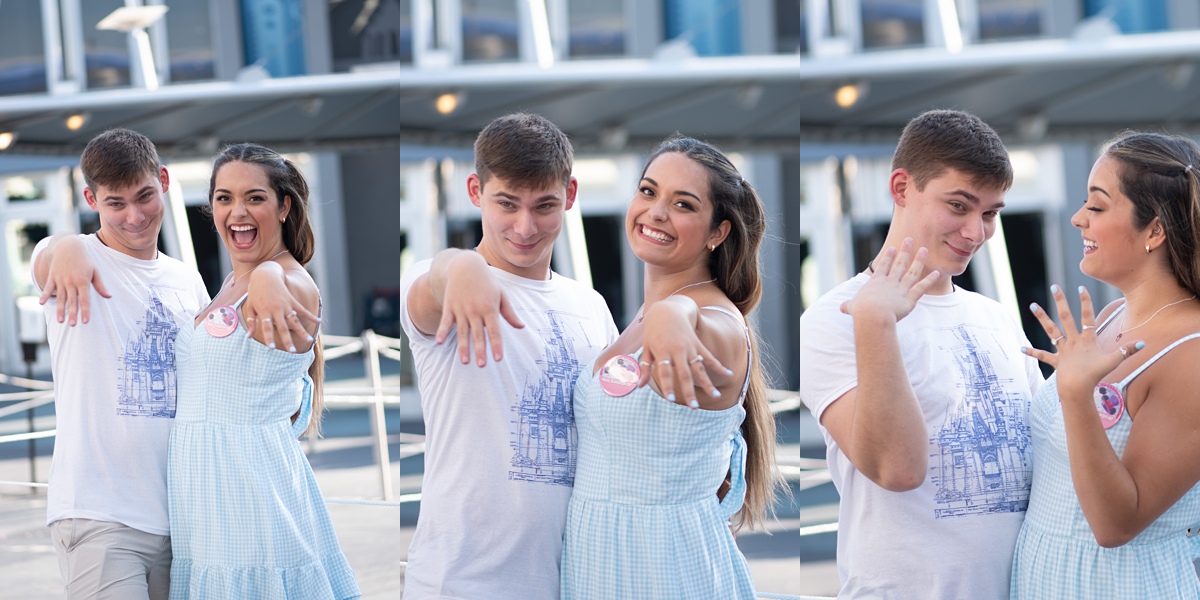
(247, 518)
(645, 520)
(1114, 500)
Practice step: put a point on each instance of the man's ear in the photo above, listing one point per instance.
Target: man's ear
(572, 190)
(90, 198)
(901, 184)
(475, 189)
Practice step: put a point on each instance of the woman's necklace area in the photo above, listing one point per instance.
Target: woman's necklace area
(642, 311)
(223, 320)
(1165, 307)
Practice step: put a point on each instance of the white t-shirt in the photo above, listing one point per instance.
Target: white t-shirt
(500, 445)
(953, 537)
(114, 380)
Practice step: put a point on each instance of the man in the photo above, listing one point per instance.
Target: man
(114, 374)
(500, 436)
(920, 387)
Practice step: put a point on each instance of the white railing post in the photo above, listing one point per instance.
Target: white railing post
(378, 421)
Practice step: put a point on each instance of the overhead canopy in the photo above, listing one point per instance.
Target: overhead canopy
(1041, 89)
(1059, 89)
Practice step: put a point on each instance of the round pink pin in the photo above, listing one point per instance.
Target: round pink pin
(1109, 404)
(222, 321)
(620, 375)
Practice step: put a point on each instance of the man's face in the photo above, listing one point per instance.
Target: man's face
(520, 224)
(131, 216)
(951, 217)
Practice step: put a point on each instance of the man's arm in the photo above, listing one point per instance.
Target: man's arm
(64, 270)
(879, 425)
(460, 291)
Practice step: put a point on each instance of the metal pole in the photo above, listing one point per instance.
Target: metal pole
(378, 421)
(29, 418)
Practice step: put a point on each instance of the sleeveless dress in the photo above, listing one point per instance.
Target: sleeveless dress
(247, 517)
(1057, 555)
(644, 520)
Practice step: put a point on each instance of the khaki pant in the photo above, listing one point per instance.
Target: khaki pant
(100, 560)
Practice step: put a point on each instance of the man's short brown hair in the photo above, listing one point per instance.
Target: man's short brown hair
(118, 158)
(938, 140)
(525, 150)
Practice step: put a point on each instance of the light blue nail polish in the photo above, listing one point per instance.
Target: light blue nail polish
(1024, 350)
(310, 338)
(1033, 307)
(694, 404)
(1081, 289)
(292, 349)
(671, 397)
(729, 371)
(272, 346)
(1054, 289)
(1140, 345)
(716, 393)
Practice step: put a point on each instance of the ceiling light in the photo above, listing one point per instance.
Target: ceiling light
(6, 139)
(849, 94)
(76, 121)
(449, 102)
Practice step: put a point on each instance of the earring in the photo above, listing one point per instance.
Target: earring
(712, 247)
(283, 220)
(1147, 248)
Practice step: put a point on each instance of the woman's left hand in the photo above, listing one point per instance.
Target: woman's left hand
(1080, 362)
(672, 351)
(272, 307)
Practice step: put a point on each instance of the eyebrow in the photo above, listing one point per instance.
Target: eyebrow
(677, 192)
(1096, 188)
(973, 199)
(545, 198)
(113, 198)
(223, 190)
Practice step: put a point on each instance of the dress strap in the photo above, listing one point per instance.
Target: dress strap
(746, 329)
(241, 301)
(736, 496)
(1116, 311)
(1129, 378)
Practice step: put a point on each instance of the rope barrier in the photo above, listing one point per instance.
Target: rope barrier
(17, 437)
(361, 502)
(25, 484)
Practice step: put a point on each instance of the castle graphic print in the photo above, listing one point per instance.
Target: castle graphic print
(981, 461)
(146, 380)
(544, 441)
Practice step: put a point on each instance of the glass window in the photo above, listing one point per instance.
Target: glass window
(24, 189)
(21, 236)
(22, 54)
(789, 27)
(189, 36)
(106, 52)
(712, 26)
(367, 31)
(1131, 17)
(273, 35)
(597, 28)
(890, 23)
(490, 30)
(1002, 19)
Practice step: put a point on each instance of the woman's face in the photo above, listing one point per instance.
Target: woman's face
(669, 222)
(246, 212)
(1112, 246)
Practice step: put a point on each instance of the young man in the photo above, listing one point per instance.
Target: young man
(500, 435)
(920, 387)
(114, 375)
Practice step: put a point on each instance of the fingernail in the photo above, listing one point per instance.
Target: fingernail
(291, 348)
(271, 345)
(1140, 345)
(715, 393)
(671, 397)
(1024, 350)
(729, 371)
(1033, 307)
(1081, 290)
(310, 338)
(694, 403)
(1054, 289)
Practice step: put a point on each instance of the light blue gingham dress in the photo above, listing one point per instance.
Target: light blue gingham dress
(644, 520)
(1057, 555)
(247, 517)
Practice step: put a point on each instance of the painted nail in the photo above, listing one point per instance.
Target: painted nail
(694, 403)
(1081, 290)
(729, 371)
(310, 338)
(1140, 345)
(1054, 289)
(1033, 307)
(715, 393)
(292, 349)
(1024, 350)
(671, 397)
(271, 345)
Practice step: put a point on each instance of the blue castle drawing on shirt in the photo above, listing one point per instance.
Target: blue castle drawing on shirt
(983, 463)
(545, 443)
(147, 379)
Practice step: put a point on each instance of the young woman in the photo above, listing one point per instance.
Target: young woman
(1114, 505)
(247, 518)
(645, 518)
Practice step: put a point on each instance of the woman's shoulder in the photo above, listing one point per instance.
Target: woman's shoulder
(301, 284)
(1109, 309)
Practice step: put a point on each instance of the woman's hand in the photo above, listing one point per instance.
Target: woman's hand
(672, 351)
(271, 309)
(1079, 361)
